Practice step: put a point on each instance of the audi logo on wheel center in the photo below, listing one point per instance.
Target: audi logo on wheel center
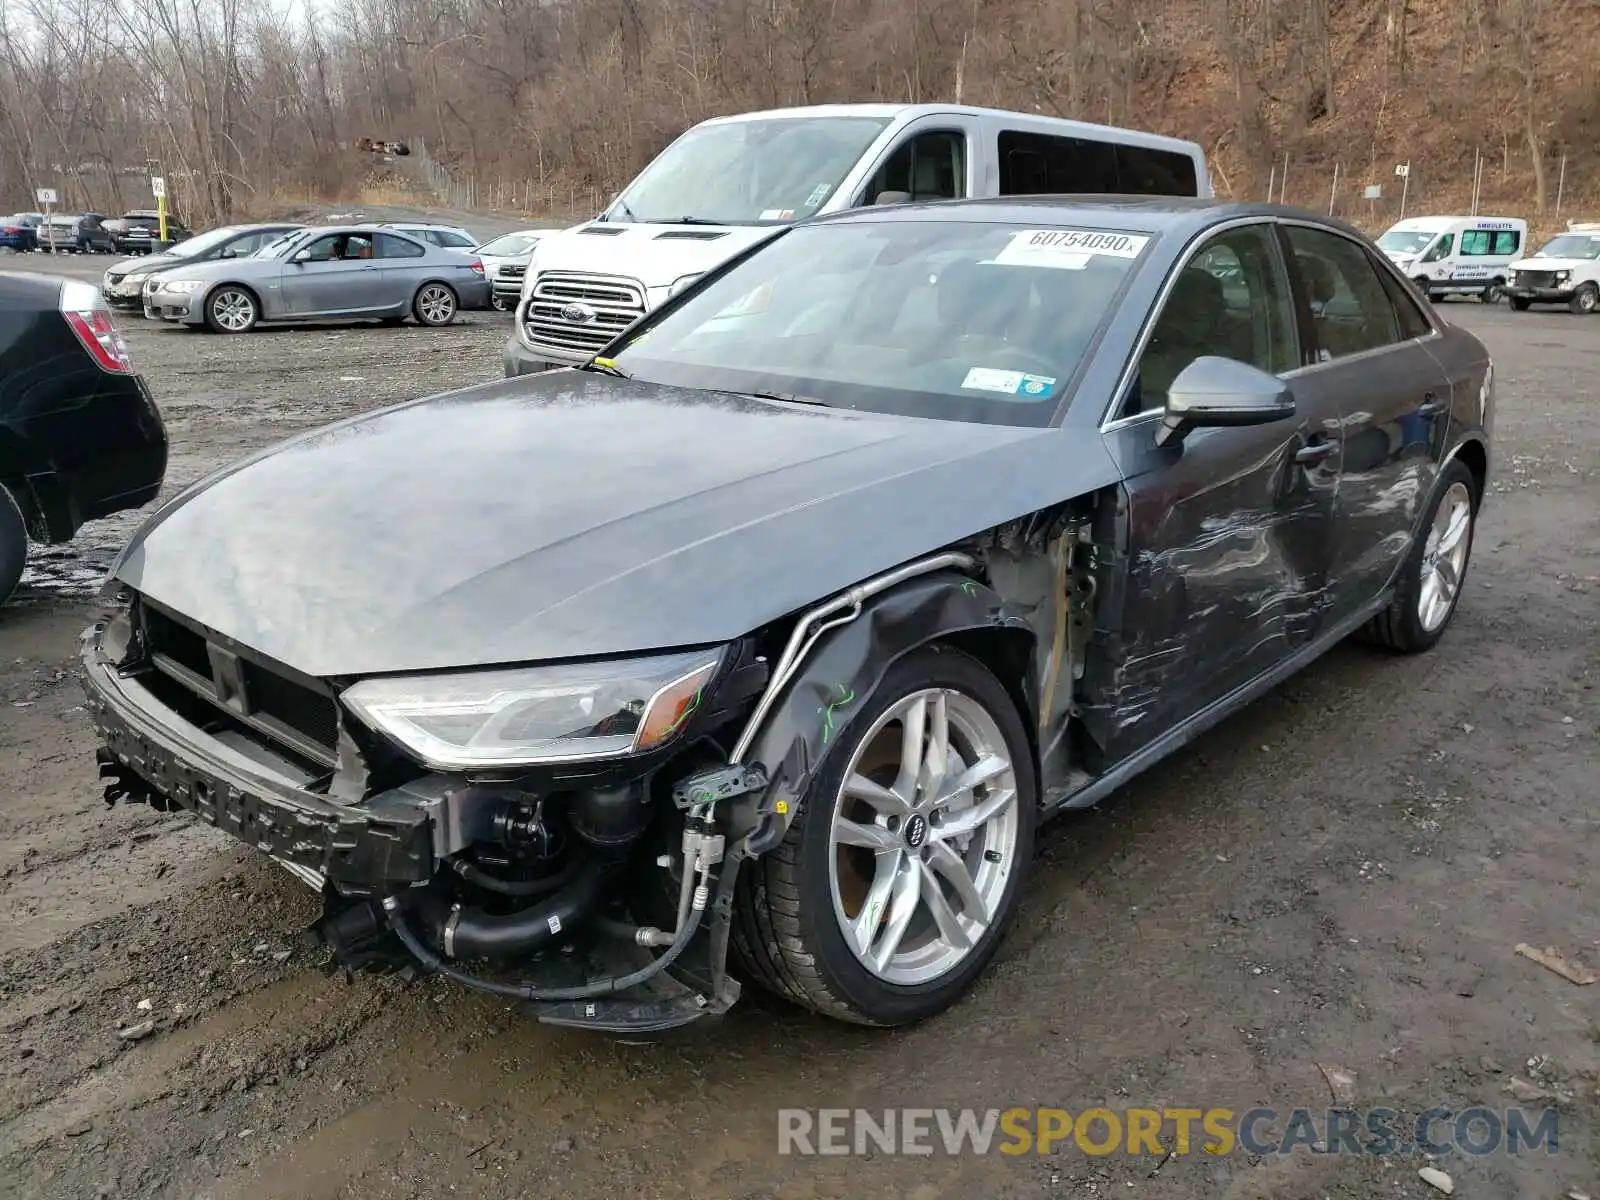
(577, 314)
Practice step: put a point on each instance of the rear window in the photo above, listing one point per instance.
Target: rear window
(1036, 164)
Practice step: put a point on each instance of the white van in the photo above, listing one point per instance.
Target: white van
(1456, 254)
(1565, 270)
(729, 182)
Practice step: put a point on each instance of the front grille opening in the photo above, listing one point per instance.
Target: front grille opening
(284, 713)
(206, 716)
(609, 304)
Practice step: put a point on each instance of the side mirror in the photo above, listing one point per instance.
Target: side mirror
(229, 253)
(301, 256)
(1213, 391)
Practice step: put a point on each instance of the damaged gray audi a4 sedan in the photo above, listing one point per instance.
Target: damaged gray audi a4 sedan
(758, 647)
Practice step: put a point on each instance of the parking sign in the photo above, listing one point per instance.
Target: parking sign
(158, 186)
(46, 195)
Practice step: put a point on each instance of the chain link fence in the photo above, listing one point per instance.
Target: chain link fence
(501, 193)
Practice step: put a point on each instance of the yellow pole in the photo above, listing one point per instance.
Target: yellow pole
(161, 212)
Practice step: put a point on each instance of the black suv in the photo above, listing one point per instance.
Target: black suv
(141, 231)
(80, 436)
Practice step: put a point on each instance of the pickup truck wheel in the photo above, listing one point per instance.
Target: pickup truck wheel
(1520, 303)
(435, 304)
(901, 870)
(1585, 300)
(1434, 570)
(13, 544)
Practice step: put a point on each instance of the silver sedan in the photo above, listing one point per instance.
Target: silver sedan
(323, 273)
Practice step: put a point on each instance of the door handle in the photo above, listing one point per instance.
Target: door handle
(1315, 452)
(1431, 405)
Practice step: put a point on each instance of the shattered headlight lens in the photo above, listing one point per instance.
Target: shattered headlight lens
(530, 715)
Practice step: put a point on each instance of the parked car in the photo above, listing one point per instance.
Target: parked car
(505, 260)
(450, 237)
(80, 436)
(784, 621)
(75, 233)
(322, 273)
(125, 281)
(1565, 270)
(18, 233)
(141, 232)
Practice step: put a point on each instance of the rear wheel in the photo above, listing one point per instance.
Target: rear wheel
(13, 544)
(1431, 579)
(231, 309)
(1491, 294)
(435, 304)
(1585, 300)
(895, 883)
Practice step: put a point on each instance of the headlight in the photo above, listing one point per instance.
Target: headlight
(682, 282)
(182, 285)
(530, 715)
(1563, 276)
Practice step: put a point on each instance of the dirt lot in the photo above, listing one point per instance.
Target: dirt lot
(1338, 875)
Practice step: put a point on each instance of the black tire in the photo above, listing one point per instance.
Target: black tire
(786, 936)
(232, 308)
(13, 544)
(1586, 300)
(435, 304)
(1422, 286)
(1491, 294)
(1520, 303)
(1400, 627)
(498, 303)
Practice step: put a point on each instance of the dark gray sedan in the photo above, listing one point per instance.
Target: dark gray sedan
(323, 273)
(781, 625)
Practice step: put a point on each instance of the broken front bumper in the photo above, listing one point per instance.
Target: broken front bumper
(152, 752)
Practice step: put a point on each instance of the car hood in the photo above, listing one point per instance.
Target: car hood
(144, 264)
(1552, 264)
(574, 514)
(656, 255)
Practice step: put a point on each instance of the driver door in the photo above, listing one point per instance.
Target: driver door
(341, 276)
(1228, 529)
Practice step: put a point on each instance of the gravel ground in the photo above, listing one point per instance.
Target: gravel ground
(1337, 876)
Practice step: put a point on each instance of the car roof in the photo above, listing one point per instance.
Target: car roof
(1153, 214)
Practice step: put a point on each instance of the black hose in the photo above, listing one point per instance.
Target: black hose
(473, 933)
(523, 991)
(477, 876)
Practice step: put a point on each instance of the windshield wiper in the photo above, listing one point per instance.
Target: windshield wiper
(604, 366)
(786, 398)
(693, 221)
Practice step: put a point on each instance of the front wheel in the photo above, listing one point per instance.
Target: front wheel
(1520, 303)
(1434, 570)
(1422, 286)
(901, 871)
(435, 304)
(498, 303)
(1585, 300)
(231, 310)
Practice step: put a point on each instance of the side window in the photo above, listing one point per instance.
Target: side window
(1413, 322)
(1145, 172)
(1475, 243)
(1034, 164)
(1231, 300)
(324, 249)
(358, 245)
(931, 166)
(1507, 242)
(1441, 248)
(454, 240)
(390, 246)
(1350, 310)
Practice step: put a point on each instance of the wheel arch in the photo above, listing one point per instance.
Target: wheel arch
(946, 608)
(1473, 453)
(211, 291)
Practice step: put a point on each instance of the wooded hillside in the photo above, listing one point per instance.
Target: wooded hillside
(541, 101)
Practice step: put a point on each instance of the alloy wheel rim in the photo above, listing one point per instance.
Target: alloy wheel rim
(1444, 557)
(436, 304)
(1588, 300)
(923, 837)
(233, 310)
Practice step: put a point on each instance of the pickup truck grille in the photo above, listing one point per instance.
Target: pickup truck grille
(286, 712)
(1536, 279)
(574, 316)
(512, 271)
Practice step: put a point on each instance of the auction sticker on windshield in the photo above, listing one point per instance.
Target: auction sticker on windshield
(1012, 383)
(1068, 249)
